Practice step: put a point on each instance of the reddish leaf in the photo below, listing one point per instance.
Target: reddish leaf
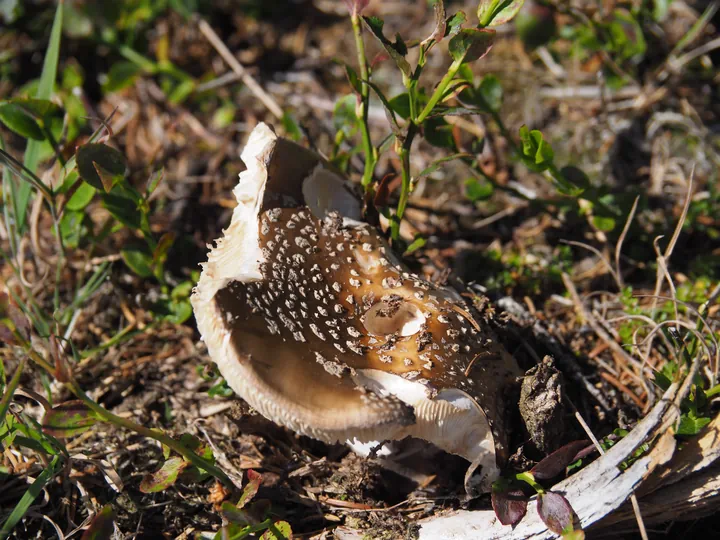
(68, 419)
(386, 186)
(555, 463)
(590, 449)
(165, 477)
(555, 511)
(22, 325)
(439, 31)
(101, 527)
(63, 371)
(6, 334)
(280, 530)
(510, 506)
(251, 488)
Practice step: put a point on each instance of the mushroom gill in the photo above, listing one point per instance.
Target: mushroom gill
(317, 325)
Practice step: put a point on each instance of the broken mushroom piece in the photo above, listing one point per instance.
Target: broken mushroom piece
(316, 324)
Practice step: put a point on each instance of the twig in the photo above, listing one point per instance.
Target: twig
(237, 67)
(671, 245)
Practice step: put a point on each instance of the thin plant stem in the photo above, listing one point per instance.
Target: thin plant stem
(404, 155)
(177, 446)
(363, 106)
(439, 91)
(111, 418)
(488, 16)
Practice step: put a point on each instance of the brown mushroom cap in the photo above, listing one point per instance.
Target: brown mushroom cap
(316, 324)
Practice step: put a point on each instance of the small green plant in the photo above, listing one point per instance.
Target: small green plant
(422, 111)
(37, 331)
(509, 499)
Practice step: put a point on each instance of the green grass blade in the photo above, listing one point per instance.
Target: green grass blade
(45, 89)
(10, 389)
(8, 195)
(28, 498)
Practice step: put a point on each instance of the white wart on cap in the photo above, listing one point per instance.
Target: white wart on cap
(317, 325)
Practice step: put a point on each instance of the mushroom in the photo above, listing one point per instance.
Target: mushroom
(314, 321)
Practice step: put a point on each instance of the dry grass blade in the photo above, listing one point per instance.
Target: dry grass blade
(662, 265)
(237, 67)
(602, 257)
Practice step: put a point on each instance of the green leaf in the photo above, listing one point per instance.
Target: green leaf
(71, 227)
(388, 109)
(68, 419)
(29, 497)
(121, 75)
(81, 198)
(124, 203)
(224, 116)
(576, 178)
(401, 105)
(160, 253)
(165, 477)
(536, 26)
(491, 92)
(416, 244)
(17, 120)
(291, 127)
(604, 223)
(234, 515)
(353, 79)
(280, 530)
(626, 36)
(220, 389)
(139, 260)
(101, 166)
(538, 154)
(102, 526)
(454, 23)
(477, 190)
(690, 424)
(396, 50)
(40, 109)
(344, 117)
(154, 181)
(180, 311)
(181, 92)
(494, 13)
(44, 91)
(660, 9)
(471, 44)
(439, 133)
